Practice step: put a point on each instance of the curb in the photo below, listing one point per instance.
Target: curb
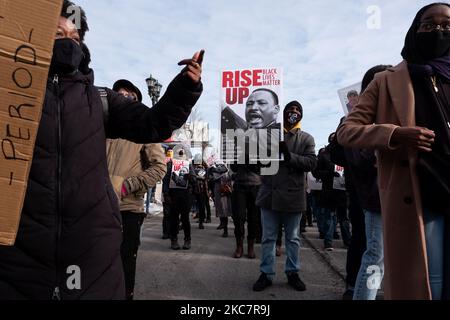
(326, 258)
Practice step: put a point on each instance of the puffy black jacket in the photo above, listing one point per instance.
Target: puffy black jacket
(70, 220)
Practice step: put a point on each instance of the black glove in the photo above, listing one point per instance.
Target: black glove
(285, 151)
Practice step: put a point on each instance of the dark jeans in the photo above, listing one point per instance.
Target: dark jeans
(180, 206)
(344, 222)
(358, 242)
(166, 220)
(131, 224)
(245, 210)
(202, 199)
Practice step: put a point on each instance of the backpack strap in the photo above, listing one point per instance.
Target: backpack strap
(104, 97)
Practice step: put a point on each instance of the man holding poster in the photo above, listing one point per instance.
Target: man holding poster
(251, 120)
(282, 199)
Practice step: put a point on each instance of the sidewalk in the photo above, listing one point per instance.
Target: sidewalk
(336, 260)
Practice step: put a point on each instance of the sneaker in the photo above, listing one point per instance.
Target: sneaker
(187, 245)
(329, 248)
(263, 283)
(295, 282)
(175, 245)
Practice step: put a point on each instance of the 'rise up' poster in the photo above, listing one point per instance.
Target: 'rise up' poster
(252, 114)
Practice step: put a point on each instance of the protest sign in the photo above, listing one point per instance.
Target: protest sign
(251, 114)
(180, 172)
(27, 32)
(349, 97)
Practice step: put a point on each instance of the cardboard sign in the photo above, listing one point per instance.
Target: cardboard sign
(251, 109)
(27, 32)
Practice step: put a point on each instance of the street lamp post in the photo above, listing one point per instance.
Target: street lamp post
(154, 91)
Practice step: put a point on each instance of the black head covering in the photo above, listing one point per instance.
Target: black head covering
(294, 104)
(410, 51)
(125, 84)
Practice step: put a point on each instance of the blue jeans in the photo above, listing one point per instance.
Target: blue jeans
(434, 234)
(271, 221)
(329, 223)
(372, 266)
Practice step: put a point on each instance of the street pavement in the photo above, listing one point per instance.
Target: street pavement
(209, 272)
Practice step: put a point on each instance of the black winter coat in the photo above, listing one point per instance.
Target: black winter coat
(325, 171)
(70, 223)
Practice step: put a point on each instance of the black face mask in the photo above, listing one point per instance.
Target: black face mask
(433, 45)
(67, 56)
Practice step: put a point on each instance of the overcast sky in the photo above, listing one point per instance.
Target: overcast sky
(322, 45)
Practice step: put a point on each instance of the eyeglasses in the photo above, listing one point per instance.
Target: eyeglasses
(429, 26)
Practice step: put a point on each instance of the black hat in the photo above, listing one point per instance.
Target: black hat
(294, 104)
(125, 84)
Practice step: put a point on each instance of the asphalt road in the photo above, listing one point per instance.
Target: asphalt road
(209, 272)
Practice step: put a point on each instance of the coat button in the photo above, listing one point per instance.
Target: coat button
(409, 200)
(405, 163)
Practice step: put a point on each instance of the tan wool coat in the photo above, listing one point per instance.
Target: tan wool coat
(386, 104)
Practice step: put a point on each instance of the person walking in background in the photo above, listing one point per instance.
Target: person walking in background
(282, 199)
(404, 114)
(133, 169)
(329, 198)
(222, 190)
(245, 189)
(177, 190)
(201, 192)
(166, 202)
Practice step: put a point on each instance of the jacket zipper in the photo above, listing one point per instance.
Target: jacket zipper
(436, 89)
(56, 292)
(434, 82)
